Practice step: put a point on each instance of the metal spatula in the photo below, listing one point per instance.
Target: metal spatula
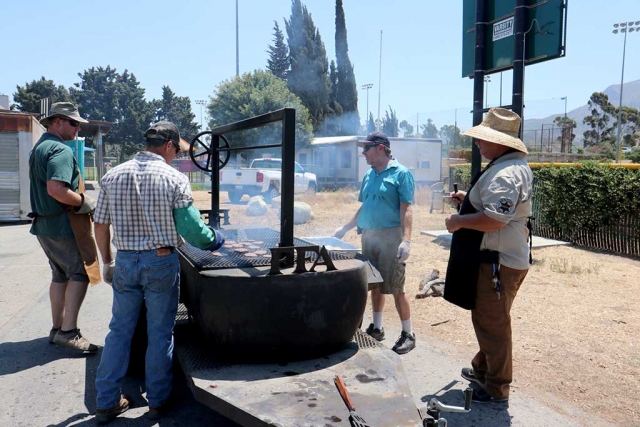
(355, 419)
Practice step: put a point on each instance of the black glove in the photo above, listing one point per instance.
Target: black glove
(218, 242)
(88, 205)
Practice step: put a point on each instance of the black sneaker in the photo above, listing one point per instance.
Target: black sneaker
(467, 374)
(405, 343)
(376, 333)
(481, 396)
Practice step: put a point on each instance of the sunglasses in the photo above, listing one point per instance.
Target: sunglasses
(369, 147)
(73, 123)
(176, 146)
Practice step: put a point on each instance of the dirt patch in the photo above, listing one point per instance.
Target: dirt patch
(575, 320)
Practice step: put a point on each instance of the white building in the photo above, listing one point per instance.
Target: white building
(338, 161)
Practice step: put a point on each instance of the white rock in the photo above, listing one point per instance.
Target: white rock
(256, 207)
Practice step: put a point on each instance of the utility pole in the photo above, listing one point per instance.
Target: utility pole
(366, 87)
(201, 102)
(379, 83)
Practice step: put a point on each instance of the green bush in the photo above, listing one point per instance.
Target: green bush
(577, 198)
(585, 198)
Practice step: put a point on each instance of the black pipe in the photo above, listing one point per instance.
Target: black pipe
(478, 78)
(519, 29)
(214, 215)
(288, 178)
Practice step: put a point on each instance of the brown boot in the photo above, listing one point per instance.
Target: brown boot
(74, 339)
(104, 416)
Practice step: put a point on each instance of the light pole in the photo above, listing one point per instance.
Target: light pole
(625, 28)
(201, 102)
(565, 107)
(487, 80)
(366, 87)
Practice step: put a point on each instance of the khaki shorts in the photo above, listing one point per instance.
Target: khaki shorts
(380, 246)
(64, 259)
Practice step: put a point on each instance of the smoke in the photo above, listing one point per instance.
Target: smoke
(347, 123)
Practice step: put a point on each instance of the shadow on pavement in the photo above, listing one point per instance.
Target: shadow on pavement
(23, 355)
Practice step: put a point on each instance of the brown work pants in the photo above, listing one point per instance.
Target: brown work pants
(491, 318)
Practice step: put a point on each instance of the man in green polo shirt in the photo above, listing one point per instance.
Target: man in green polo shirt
(385, 219)
(54, 176)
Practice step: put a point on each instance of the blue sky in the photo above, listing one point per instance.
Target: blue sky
(190, 46)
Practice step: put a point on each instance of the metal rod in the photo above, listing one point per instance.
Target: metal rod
(214, 215)
(288, 179)
(379, 83)
(237, 43)
(619, 147)
(478, 79)
(519, 57)
(253, 122)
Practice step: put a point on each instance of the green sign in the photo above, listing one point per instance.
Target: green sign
(543, 42)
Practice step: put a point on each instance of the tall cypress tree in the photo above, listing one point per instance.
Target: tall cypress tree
(347, 90)
(308, 77)
(278, 62)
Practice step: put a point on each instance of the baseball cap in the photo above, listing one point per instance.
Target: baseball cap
(375, 138)
(167, 131)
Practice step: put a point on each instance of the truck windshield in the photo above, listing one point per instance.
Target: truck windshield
(266, 164)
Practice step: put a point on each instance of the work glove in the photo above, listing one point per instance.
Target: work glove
(219, 240)
(339, 233)
(88, 205)
(403, 251)
(107, 272)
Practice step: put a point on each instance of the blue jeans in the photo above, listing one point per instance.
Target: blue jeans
(140, 277)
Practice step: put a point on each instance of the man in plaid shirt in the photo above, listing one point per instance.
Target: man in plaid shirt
(149, 205)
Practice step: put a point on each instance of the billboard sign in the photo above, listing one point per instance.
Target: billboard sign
(545, 40)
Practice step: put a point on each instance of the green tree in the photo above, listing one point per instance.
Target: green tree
(407, 129)
(566, 138)
(390, 123)
(601, 111)
(104, 94)
(347, 91)
(27, 98)
(278, 62)
(176, 109)
(429, 130)
(253, 94)
(371, 124)
(308, 77)
(451, 134)
(630, 119)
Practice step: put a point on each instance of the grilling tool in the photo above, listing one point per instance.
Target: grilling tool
(355, 419)
(455, 190)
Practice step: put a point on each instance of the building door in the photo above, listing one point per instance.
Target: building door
(9, 177)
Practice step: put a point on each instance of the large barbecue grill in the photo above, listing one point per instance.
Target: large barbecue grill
(271, 329)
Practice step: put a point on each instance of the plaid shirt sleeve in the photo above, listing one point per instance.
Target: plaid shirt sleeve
(183, 196)
(101, 215)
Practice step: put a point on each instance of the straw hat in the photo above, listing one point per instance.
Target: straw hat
(62, 109)
(500, 126)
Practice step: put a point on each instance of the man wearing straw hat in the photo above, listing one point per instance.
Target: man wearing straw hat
(490, 254)
(55, 177)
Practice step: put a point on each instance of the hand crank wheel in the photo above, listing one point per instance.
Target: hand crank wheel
(200, 149)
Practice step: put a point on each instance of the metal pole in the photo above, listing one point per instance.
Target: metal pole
(237, 43)
(618, 149)
(519, 51)
(379, 83)
(478, 80)
(565, 107)
(500, 88)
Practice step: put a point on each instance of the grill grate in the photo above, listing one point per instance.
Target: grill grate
(228, 258)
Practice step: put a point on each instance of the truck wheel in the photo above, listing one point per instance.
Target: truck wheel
(271, 194)
(312, 189)
(234, 196)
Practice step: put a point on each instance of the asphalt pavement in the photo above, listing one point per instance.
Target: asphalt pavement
(45, 385)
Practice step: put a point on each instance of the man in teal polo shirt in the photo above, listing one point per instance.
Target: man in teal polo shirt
(385, 219)
(54, 174)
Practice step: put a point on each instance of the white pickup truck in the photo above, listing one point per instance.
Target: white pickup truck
(263, 177)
